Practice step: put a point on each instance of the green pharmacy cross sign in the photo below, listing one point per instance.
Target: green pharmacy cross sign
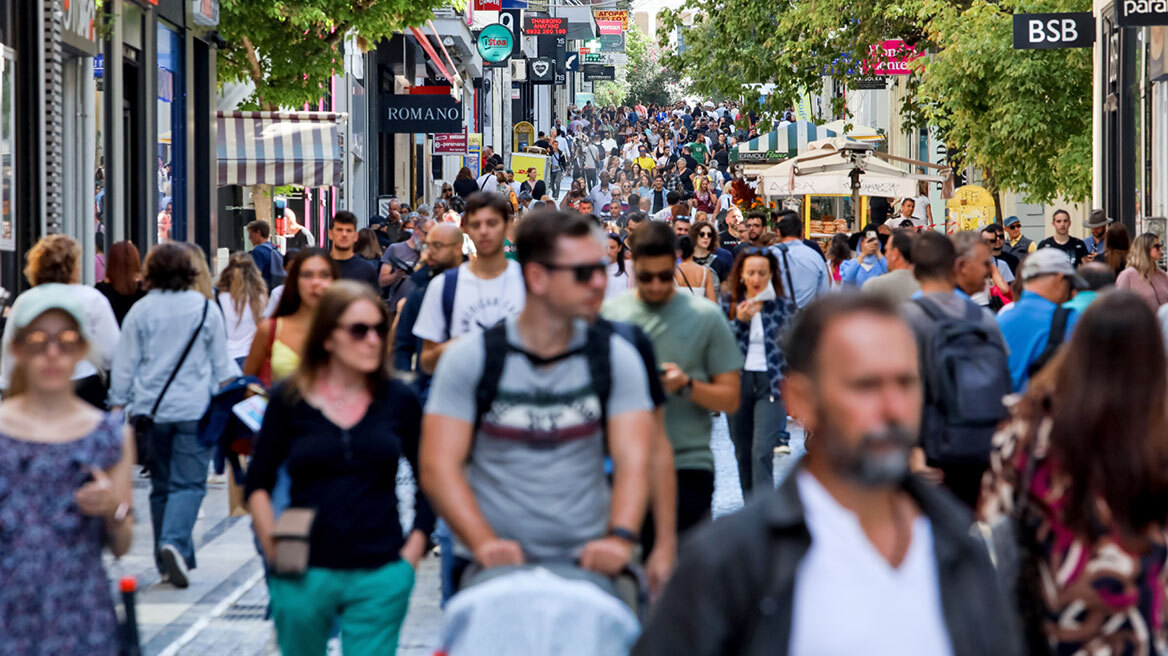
(495, 44)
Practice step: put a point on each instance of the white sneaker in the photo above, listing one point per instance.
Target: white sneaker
(782, 450)
(173, 566)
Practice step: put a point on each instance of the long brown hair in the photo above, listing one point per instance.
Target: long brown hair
(243, 282)
(340, 295)
(1109, 432)
(124, 268)
(1117, 243)
(737, 285)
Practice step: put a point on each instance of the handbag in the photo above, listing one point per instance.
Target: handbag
(291, 535)
(143, 425)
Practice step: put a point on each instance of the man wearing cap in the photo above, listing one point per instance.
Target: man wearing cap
(1016, 244)
(1074, 247)
(1097, 224)
(1047, 281)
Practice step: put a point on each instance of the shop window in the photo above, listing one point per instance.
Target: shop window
(170, 160)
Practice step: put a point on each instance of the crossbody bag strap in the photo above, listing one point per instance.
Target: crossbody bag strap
(181, 360)
(790, 282)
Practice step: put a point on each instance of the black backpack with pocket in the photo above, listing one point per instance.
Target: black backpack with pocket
(966, 375)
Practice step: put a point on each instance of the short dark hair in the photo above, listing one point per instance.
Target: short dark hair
(1060, 211)
(169, 268)
(673, 197)
(636, 217)
(1098, 275)
(903, 240)
(685, 245)
(682, 217)
(761, 216)
(790, 225)
(344, 217)
(488, 200)
(261, 227)
(653, 240)
(535, 238)
(933, 256)
(802, 343)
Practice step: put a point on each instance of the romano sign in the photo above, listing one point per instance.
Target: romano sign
(420, 114)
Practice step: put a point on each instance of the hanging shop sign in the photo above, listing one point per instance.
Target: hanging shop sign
(541, 70)
(868, 83)
(608, 28)
(599, 72)
(431, 114)
(1046, 31)
(77, 26)
(512, 19)
(495, 44)
(450, 143)
(545, 26)
(612, 42)
(488, 5)
(620, 15)
(1135, 13)
(571, 61)
(892, 57)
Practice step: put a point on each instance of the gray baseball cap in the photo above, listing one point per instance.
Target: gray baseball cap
(1050, 261)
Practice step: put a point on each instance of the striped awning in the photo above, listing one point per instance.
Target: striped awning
(787, 141)
(280, 148)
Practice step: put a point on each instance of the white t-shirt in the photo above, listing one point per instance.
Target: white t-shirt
(617, 284)
(274, 302)
(240, 328)
(920, 206)
(850, 600)
(756, 351)
(478, 303)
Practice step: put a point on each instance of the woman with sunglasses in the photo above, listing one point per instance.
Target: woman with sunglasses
(1143, 274)
(709, 253)
(618, 277)
(690, 276)
(340, 424)
(65, 488)
(758, 311)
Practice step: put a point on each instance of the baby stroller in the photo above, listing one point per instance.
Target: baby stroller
(544, 609)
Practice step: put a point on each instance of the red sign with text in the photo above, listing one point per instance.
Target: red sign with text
(609, 28)
(488, 5)
(545, 26)
(892, 57)
(453, 143)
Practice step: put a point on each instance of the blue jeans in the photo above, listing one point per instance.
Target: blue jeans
(756, 429)
(178, 483)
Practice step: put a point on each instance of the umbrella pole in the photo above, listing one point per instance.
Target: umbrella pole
(855, 176)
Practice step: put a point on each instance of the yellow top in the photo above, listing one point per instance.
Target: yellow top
(284, 359)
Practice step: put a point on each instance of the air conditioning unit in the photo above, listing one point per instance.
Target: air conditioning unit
(519, 70)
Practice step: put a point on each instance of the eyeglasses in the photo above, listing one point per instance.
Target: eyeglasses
(648, 276)
(358, 331)
(38, 341)
(705, 233)
(583, 272)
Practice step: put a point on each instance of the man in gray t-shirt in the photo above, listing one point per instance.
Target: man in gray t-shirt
(525, 479)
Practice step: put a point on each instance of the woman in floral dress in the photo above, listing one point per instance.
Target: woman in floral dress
(1083, 465)
(65, 489)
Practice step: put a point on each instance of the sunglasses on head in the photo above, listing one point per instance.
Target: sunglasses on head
(583, 272)
(358, 331)
(38, 341)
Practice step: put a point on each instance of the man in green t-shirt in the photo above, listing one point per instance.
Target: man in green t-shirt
(700, 363)
(699, 151)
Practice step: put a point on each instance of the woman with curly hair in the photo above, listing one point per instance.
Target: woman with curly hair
(242, 297)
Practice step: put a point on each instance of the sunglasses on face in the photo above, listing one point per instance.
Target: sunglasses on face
(358, 331)
(661, 276)
(705, 233)
(38, 341)
(583, 273)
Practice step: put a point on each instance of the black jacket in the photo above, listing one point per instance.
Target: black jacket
(733, 591)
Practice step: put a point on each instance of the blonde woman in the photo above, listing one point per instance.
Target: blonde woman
(202, 282)
(242, 297)
(1143, 275)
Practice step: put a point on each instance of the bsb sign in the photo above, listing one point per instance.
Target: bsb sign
(1046, 31)
(420, 114)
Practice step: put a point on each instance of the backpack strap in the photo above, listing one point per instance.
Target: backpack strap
(598, 352)
(783, 248)
(929, 308)
(1058, 330)
(495, 348)
(449, 286)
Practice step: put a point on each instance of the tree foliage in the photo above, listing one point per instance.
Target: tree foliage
(290, 49)
(1023, 117)
(649, 81)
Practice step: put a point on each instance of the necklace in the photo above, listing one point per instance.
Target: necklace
(341, 401)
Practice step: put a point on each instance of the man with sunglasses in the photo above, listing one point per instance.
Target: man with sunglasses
(995, 237)
(700, 363)
(513, 444)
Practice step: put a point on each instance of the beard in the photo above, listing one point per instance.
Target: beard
(879, 460)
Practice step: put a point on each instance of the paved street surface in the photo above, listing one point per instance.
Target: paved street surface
(222, 612)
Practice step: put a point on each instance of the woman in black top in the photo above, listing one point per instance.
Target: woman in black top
(123, 279)
(464, 183)
(340, 424)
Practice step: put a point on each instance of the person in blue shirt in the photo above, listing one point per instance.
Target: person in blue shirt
(1047, 278)
(869, 262)
(803, 271)
(1097, 223)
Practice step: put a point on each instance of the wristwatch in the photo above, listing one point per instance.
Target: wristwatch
(686, 390)
(625, 534)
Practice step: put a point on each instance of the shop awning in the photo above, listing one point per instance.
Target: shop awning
(787, 141)
(280, 148)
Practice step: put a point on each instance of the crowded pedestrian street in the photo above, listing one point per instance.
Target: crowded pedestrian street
(583, 328)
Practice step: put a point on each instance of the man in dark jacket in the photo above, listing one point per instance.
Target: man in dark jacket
(852, 555)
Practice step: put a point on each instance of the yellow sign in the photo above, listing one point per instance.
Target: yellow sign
(520, 162)
(612, 15)
(971, 208)
(524, 136)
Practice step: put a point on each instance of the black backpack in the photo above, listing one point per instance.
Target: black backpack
(595, 349)
(966, 375)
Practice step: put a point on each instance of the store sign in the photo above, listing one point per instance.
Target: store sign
(1132, 13)
(571, 61)
(488, 5)
(78, 30)
(608, 28)
(893, 57)
(512, 19)
(205, 12)
(868, 83)
(495, 44)
(541, 70)
(545, 26)
(610, 58)
(451, 143)
(620, 16)
(612, 42)
(599, 73)
(429, 114)
(1045, 31)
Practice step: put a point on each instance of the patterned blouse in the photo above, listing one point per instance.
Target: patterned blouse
(1099, 597)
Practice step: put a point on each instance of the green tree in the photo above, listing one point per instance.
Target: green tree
(649, 81)
(1020, 116)
(610, 93)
